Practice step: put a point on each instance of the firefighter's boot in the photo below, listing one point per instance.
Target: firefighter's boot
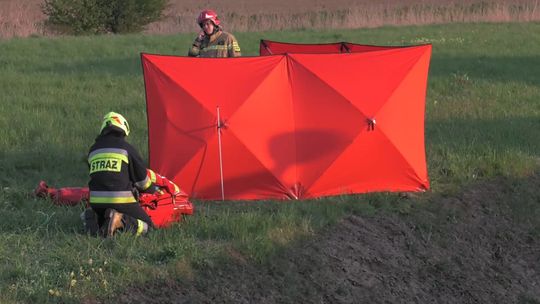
(135, 226)
(114, 221)
(90, 222)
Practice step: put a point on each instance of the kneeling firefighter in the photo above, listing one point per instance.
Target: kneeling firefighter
(117, 174)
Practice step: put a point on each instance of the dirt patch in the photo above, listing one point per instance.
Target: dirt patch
(475, 247)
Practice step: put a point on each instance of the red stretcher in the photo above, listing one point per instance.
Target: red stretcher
(164, 207)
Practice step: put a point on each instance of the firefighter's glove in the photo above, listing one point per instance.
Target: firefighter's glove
(201, 35)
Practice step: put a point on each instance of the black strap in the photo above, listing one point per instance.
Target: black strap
(345, 47)
(263, 42)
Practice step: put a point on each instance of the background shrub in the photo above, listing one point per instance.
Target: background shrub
(101, 16)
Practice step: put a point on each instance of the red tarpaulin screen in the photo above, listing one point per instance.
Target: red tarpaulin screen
(268, 47)
(290, 126)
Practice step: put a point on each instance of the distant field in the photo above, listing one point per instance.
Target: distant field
(24, 18)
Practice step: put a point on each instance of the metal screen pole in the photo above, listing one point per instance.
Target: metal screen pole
(220, 155)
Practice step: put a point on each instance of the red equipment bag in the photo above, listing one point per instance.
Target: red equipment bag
(165, 208)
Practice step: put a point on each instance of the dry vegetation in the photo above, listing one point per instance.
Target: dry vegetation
(20, 18)
(24, 18)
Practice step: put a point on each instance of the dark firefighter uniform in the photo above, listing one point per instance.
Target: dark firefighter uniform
(116, 170)
(219, 44)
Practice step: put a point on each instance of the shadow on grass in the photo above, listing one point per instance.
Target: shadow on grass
(24, 169)
(516, 69)
(128, 66)
(503, 69)
(517, 134)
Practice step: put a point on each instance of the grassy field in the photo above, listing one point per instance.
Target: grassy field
(482, 122)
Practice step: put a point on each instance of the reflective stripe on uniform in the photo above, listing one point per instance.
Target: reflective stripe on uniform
(120, 153)
(109, 155)
(107, 160)
(152, 175)
(144, 184)
(112, 197)
(142, 227)
(214, 47)
(236, 47)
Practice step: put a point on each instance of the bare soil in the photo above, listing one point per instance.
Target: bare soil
(478, 246)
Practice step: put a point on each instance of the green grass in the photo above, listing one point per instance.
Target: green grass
(482, 122)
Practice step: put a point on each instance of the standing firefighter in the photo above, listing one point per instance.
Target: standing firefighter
(212, 41)
(117, 172)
